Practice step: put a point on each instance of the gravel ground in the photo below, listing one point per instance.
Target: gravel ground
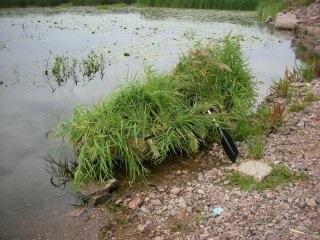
(182, 207)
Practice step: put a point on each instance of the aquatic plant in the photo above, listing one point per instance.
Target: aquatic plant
(161, 115)
(64, 69)
(91, 65)
(203, 4)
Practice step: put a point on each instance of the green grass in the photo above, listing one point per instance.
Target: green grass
(297, 106)
(311, 97)
(203, 4)
(161, 115)
(256, 147)
(306, 73)
(280, 175)
(268, 8)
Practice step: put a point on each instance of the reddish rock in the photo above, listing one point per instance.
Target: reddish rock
(135, 203)
(175, 190)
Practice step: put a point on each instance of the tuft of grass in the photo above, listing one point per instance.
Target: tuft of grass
(269, 8)
(204, 4)
(311, 97)
(161, 115)
(297, 106)
(256, 147)
(280, 175)
(306, 73)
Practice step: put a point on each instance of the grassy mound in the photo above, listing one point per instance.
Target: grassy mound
(161, 114)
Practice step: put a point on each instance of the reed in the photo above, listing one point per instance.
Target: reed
(269, 8)
(161, 115)
(203, 4)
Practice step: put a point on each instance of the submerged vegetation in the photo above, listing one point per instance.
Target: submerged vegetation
(161, 115)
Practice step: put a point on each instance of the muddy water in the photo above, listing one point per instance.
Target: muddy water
(31, 207)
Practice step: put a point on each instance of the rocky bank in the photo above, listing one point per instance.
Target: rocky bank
(305, 22)
(182, 208)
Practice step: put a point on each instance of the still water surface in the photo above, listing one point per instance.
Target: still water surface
(30, 205)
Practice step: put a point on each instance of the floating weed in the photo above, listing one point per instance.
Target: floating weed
(190, 34)
(280, 175)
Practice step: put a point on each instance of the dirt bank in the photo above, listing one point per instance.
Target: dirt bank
(181, 208)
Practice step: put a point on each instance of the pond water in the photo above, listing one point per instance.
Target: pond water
(30, 205)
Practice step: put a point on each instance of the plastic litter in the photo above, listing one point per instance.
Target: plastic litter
(216, 212)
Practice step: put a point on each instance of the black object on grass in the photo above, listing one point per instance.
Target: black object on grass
(228, 145)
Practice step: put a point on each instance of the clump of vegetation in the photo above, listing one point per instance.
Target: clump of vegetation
(91, 65)
(280, 175)
(306, 73)
(270, 8)
(256, 147)
(297, 106)
(64, 69)
(162, 114)
(311, 97)
(204, 4)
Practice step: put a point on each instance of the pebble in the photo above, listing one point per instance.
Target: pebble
(156, 202)
(135, 203)
(175, 190)
(310, 202)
